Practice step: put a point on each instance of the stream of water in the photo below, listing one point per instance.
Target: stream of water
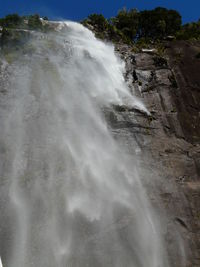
(70, 196)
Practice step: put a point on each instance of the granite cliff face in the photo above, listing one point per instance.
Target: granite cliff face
(168, 140)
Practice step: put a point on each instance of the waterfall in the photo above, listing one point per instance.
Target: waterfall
(72, 196)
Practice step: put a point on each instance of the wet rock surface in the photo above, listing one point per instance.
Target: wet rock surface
(168, 140)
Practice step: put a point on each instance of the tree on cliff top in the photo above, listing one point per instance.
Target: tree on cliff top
(127, 22)
(189, 31)
(34, 22)
(11, 21)
(98, 21)
(158, 23)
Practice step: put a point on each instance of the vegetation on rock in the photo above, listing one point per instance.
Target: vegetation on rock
(189, 31)
(127, 22)
(143, 27)
(11, 21)
(104, 29)
(32, 22)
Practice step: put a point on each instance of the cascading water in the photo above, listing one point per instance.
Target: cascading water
(74, 197)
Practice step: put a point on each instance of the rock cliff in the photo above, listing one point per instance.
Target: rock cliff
(168, 140)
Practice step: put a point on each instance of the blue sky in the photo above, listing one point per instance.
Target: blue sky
(79, 9)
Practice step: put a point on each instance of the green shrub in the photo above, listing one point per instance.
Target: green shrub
(11, 21)
(34, 22)
(127, 22)
(142, 43)
(158, 23)
(98, 21)
(189, 31)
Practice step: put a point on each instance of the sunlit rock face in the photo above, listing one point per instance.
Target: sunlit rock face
(71, 193)
(169, 139)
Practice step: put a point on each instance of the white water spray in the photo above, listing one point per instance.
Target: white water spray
(75, 198)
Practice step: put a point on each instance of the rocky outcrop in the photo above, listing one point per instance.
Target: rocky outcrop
(167, 141)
